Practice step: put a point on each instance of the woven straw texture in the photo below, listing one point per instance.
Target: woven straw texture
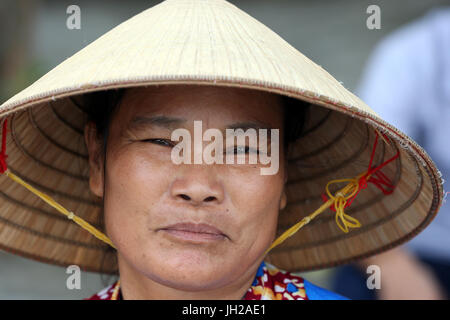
(208, 42)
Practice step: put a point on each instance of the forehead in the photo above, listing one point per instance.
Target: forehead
(213, 104)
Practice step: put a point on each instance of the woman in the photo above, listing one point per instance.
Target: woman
(205, 220)
(202, 229)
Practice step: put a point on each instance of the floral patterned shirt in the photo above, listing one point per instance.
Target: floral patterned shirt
(270, 283)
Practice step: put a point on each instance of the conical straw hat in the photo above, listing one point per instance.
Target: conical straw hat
(210, 42)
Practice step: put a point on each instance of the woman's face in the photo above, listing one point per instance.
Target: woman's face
(146, 192)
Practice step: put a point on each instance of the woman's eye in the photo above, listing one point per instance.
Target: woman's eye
(162, 142)
(244, 149)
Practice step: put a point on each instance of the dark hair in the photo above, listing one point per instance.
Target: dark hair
(101, 106)
(295, 118)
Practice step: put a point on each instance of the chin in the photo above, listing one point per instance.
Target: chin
(186, 272)
(189, 279)
(187, 282)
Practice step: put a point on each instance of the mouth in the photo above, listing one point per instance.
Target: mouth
(194, 232)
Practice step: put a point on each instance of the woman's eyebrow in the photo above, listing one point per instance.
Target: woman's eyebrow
(139, 122)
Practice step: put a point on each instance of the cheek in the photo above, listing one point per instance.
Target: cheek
(134, 185)
(256, 198)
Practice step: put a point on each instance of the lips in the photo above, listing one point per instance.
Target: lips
(195, 228)
(194, 233)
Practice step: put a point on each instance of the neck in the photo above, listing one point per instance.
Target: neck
(137, 286)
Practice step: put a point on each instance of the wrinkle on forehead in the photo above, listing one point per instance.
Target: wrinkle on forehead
(197, 101)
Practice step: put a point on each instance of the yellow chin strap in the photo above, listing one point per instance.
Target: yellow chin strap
(339, 201)
(69, 214)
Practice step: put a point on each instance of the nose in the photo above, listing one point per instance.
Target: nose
(197, 187)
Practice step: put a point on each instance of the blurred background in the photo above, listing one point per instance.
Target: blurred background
(34, 39)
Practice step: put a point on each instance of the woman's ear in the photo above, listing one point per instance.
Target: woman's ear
(95, 159)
